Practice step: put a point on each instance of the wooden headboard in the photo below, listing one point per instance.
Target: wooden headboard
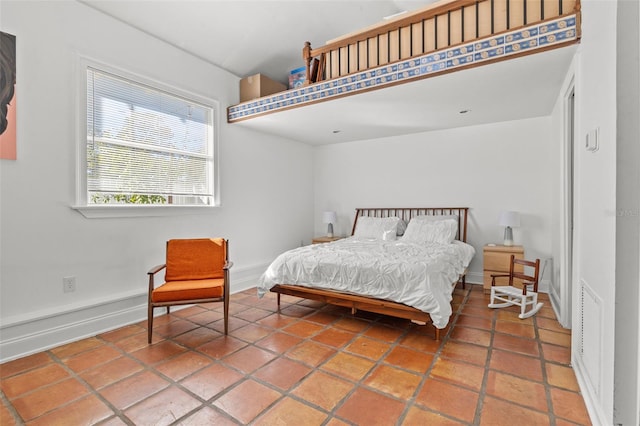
(406, 213)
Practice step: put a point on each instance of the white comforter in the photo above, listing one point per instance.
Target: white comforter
(418, 275)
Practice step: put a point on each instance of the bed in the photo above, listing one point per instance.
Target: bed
(403, 262)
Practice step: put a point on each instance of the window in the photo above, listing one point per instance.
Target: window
(146, 145)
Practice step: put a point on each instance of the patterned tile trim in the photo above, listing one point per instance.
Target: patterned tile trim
(525, 39)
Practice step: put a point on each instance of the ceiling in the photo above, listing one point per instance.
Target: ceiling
(265, 36)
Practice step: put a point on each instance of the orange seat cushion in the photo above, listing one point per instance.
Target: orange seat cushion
(188, 290)
(195, 259)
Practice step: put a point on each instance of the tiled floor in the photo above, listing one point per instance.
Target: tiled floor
(308, 365)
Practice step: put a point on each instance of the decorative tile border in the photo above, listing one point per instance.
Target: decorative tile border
(503, 45)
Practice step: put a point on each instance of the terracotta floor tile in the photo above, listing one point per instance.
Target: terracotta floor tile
(311, 353)
(384, 333)
(121, 333)
(22, 365)
(212, 380)
(208, 416)
(279, 342)
(393, 381)
(253, 314)
(243, 408)
(496, 412)
(111, 372)
(131, 390)
(418, 417)
(92, 358)
(158, 352)
(372, 349)
(555, 338)
(221, 347)
(422, 342)
(554, 353)
(163, 408)
(249, 359)
(313, 364)
(252, 333)
(518, 390)
(353, 324)
(136, 342)
(282, 373)
(409, 359)
(276, 320)
(323, 390)
(448, 399)
(303, 328)
(570, 406)
(291, 412)
(183, 365)
(197, 337)
(516, 344)
(85, 411)
(75, 348)
(562, 376)
(358, 408)
(323, 318)
(7, 418)
(516, 328)
(552, 325)
(466, 352)
(348, 366)
(459, 373)
(173, 328)
(48, 398)
(32, 380)
(474, 322)
(518, 365)
(471, 335)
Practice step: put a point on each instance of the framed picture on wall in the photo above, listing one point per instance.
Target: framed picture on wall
(7, 96)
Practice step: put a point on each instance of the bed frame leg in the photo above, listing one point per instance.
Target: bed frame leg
(437, 333)
(278, 298)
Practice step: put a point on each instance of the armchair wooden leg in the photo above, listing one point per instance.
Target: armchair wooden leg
(149, 323)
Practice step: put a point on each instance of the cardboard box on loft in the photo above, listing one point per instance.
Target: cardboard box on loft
(258, 85)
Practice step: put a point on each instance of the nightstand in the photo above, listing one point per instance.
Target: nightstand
(320, 240)
(497, 260)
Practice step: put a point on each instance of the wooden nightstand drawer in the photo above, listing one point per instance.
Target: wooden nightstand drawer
(497, 260)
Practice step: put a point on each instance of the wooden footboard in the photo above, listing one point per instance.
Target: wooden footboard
(356, 303)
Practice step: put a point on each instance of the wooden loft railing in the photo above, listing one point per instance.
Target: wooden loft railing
(444, 37)
(436, 27)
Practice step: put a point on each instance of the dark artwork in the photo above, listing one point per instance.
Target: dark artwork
(7, 75)
(7, 95)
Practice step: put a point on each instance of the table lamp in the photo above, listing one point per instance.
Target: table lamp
(509, 219)
(330, 218)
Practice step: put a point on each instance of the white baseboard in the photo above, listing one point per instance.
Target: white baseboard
(42, 330)
(594, 408)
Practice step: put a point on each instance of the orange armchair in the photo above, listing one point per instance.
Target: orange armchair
(197, 271)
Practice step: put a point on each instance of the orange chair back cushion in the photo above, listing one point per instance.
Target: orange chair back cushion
(195, 259)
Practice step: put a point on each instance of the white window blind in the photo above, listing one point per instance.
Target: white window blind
(146, 146)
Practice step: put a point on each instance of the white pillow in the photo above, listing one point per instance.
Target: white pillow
(435, 218)
(375, 227)
(431, 231)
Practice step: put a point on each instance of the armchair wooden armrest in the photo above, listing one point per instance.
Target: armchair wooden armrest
(228, 265)
(157, 269)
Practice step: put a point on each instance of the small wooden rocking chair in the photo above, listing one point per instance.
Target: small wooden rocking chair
(510, 295)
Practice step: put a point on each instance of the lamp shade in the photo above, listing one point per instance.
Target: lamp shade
(509, 218)
(329, 217)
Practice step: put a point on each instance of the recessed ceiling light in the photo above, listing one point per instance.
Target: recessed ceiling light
(336, 131)
(464, 111)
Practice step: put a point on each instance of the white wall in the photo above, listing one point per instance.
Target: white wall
(488, 168)
(593, 347)
(266, 185)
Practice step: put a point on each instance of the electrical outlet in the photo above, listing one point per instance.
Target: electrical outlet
(69, 284)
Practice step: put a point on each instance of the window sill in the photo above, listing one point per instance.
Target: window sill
(114, 211)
